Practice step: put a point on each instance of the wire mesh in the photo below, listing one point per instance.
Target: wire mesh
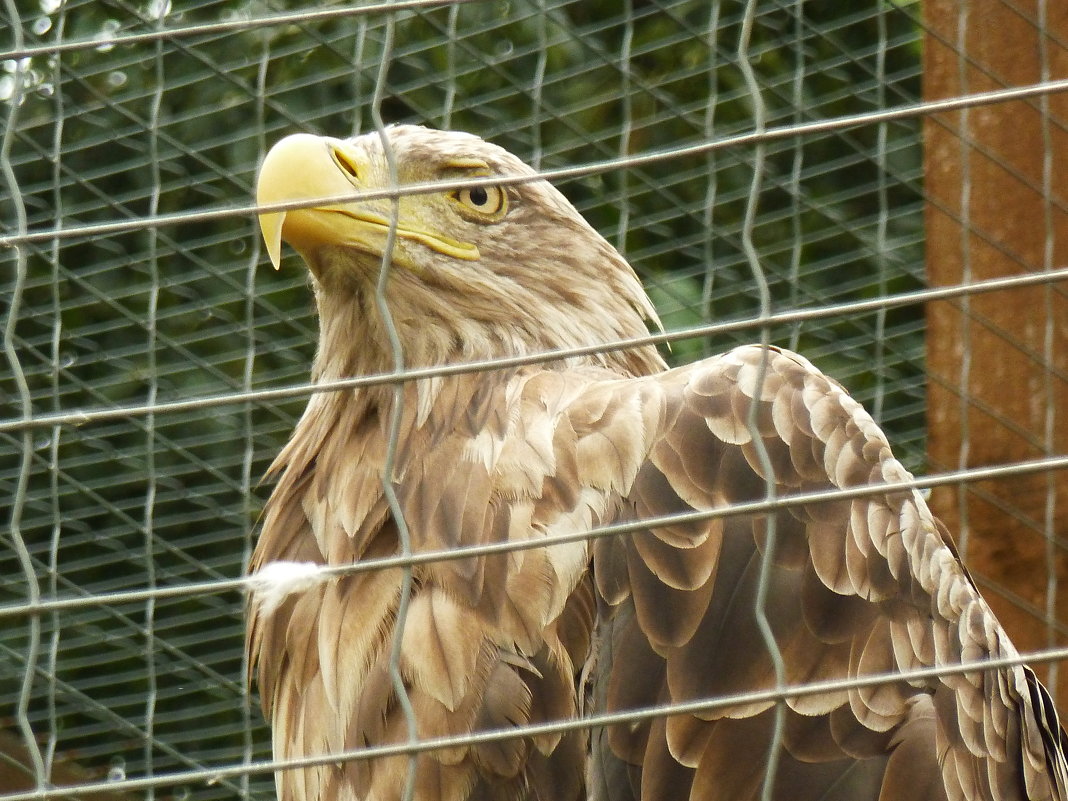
(150, 112)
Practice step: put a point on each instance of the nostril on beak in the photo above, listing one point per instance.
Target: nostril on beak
(345, 162)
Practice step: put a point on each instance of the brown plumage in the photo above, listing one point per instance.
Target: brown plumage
(854, 586)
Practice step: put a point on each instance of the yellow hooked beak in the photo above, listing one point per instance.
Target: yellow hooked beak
(304, 167)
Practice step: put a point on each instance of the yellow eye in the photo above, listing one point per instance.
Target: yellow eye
(488, 203)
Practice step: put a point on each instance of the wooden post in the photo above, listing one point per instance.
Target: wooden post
(998, 363)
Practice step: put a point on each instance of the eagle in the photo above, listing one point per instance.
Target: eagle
(647, 554)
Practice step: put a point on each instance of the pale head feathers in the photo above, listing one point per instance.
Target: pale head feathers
(543, 279)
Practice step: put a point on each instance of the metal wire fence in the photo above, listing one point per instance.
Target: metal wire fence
(153, 367)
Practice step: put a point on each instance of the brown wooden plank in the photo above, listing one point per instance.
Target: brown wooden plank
(986, 165)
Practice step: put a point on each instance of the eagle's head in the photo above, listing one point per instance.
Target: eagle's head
(475, 271)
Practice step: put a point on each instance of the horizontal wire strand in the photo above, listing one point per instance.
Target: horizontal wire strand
(780, 503)
(770, 134)
(693, 707)
(229, 26)
(86, 417)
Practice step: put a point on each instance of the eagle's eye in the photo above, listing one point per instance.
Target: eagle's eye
(482, 203)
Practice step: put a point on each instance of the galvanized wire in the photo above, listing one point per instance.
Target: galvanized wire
(696, 707)
(83, 418)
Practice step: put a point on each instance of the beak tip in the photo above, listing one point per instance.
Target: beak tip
(271, 228)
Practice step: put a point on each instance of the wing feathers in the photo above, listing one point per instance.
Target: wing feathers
(851, 588)
(670, 607)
